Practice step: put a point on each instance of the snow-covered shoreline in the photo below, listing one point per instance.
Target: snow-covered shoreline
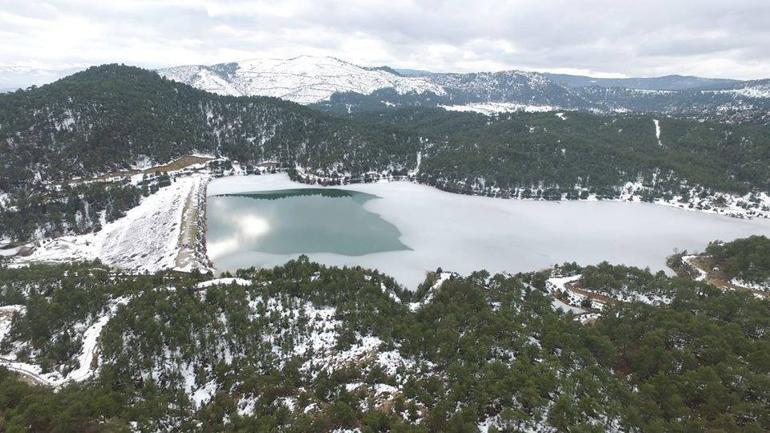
(630, 192)
(749, 206)
(167, 230)
(504, 235)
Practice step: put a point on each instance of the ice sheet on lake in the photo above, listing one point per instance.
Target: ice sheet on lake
(466, 233)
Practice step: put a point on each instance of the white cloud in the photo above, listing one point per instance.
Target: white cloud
(601, 37)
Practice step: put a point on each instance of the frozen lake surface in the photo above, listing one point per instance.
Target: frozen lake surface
(458, 232)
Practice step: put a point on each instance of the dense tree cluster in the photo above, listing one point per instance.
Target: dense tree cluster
(747, 259)
(618, 280)
(48, 211)
(542, 153)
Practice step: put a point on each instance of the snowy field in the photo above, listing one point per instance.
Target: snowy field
(146, 239)
(466, 233)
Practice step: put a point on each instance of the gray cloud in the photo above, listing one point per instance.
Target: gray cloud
(708, 37)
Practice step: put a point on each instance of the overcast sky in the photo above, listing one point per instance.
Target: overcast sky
(718, 38)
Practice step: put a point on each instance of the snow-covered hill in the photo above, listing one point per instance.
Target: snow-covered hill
(304, 79)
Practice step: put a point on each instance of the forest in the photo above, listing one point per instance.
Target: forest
(305, 347)
(76, 208)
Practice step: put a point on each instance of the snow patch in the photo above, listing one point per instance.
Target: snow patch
(223, 282)
(492, 108)
(7, 314)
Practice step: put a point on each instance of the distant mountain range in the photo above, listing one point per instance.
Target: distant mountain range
(667, 82)
(334, 85)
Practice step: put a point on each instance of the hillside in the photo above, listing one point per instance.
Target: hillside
(303, 348)
(668, 82)
(338, 86)
(111, 117)
(572, 154)
(742, 264)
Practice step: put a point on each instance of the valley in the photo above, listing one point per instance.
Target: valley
(464, 260)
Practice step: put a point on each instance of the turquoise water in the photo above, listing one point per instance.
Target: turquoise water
(297, 221)
(406, 230)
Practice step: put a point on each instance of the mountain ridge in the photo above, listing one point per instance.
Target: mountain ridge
(334, 85)
(338, 86)
(302, 79)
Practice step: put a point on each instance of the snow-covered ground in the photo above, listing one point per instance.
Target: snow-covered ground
(701, 274)
(467, 233)
(223, 282)
(490, 108)
(87, 364)
(7, 314)
(146, 239)
(442, 277)
(303, 79)
(738, 206)
(9, 252)
(554, 284)
(761, 287)
(561, 285)
(761, 90)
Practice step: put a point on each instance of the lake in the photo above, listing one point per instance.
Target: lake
(405, 229)
(299, 221)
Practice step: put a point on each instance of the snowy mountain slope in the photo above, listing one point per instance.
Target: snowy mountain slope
(519, 87)
(304, 79)
(334, 85)
(202, 77)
